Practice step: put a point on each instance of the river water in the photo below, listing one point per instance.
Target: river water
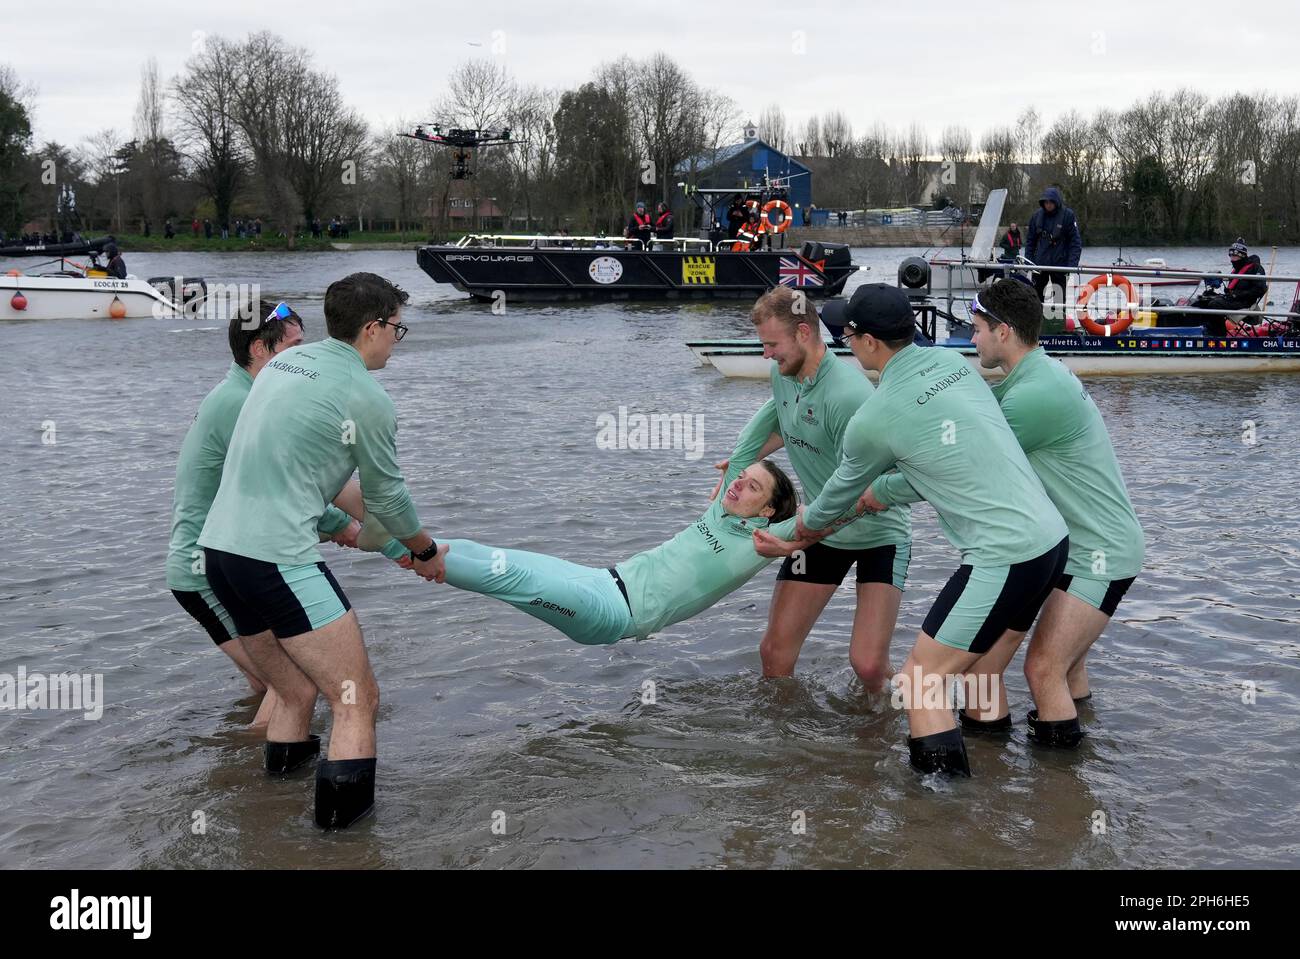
(490, 718)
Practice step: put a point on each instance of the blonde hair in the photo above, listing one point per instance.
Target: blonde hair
(784, 304)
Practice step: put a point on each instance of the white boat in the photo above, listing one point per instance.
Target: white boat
(68, 297)
(61, 288)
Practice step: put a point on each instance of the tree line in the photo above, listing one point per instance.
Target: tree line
(253, 127)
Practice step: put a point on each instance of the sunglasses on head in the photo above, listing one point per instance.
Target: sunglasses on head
(282, 311)
(977, 307)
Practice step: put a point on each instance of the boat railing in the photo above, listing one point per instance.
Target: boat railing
(551, 242)
(1143, 292)
(1150, 272)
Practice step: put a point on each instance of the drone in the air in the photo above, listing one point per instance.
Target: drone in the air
(462, 141)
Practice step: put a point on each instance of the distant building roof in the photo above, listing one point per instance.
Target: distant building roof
(707, 160)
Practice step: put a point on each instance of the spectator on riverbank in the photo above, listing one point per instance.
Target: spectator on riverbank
(1053, 240)
(169, 231)
(194, 228)
(207, 229)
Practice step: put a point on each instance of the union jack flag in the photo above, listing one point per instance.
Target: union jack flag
(794, 272)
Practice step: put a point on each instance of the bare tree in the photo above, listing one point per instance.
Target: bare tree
(837, 133)
(1029, 133)
(667, 107)
(773, 128)
(270, 69)
(399, 165)
(1076, 157)
(325, 143)
(100, 155)
(812, 144)
(480, 95)
(152, 145)
(205, 97)
(913, 148)
(998, 162)
(718, 115)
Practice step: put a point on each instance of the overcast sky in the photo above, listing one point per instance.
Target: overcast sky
(935, 62)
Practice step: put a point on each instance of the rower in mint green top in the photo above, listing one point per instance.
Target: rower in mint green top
(934, 419)
(811, 417)
(1065, 438)
(315, 415)
(198, 475)
(712, 557)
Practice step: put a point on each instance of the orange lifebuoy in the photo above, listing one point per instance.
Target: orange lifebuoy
(1123, 319)
(786, 214)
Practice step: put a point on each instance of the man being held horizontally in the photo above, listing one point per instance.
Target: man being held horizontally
(1063, 435)
(315, 415)
(934, 419)
(814, 395)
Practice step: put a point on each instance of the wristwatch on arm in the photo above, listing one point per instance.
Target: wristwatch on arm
(426, 555)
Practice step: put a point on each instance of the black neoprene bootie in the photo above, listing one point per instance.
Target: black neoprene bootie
(994, 727)
(940, 752)
(286, 757)
(345, 791)
(1058, 734)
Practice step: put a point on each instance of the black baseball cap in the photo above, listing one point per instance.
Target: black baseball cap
(882, 310)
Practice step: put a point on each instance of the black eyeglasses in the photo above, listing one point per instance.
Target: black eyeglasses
(399, 330)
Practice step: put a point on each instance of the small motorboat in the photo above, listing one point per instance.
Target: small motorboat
(59, 287)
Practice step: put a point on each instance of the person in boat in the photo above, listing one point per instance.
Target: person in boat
(198, 476)
(1011, 242)
(814, 396)
(116, 266)
(1238, 294)
(639, 226)
(933, 430)
(1053, 240)
(736, 217)
(750, 236)
(598, 606)
(1065, 439)
(663, 222)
